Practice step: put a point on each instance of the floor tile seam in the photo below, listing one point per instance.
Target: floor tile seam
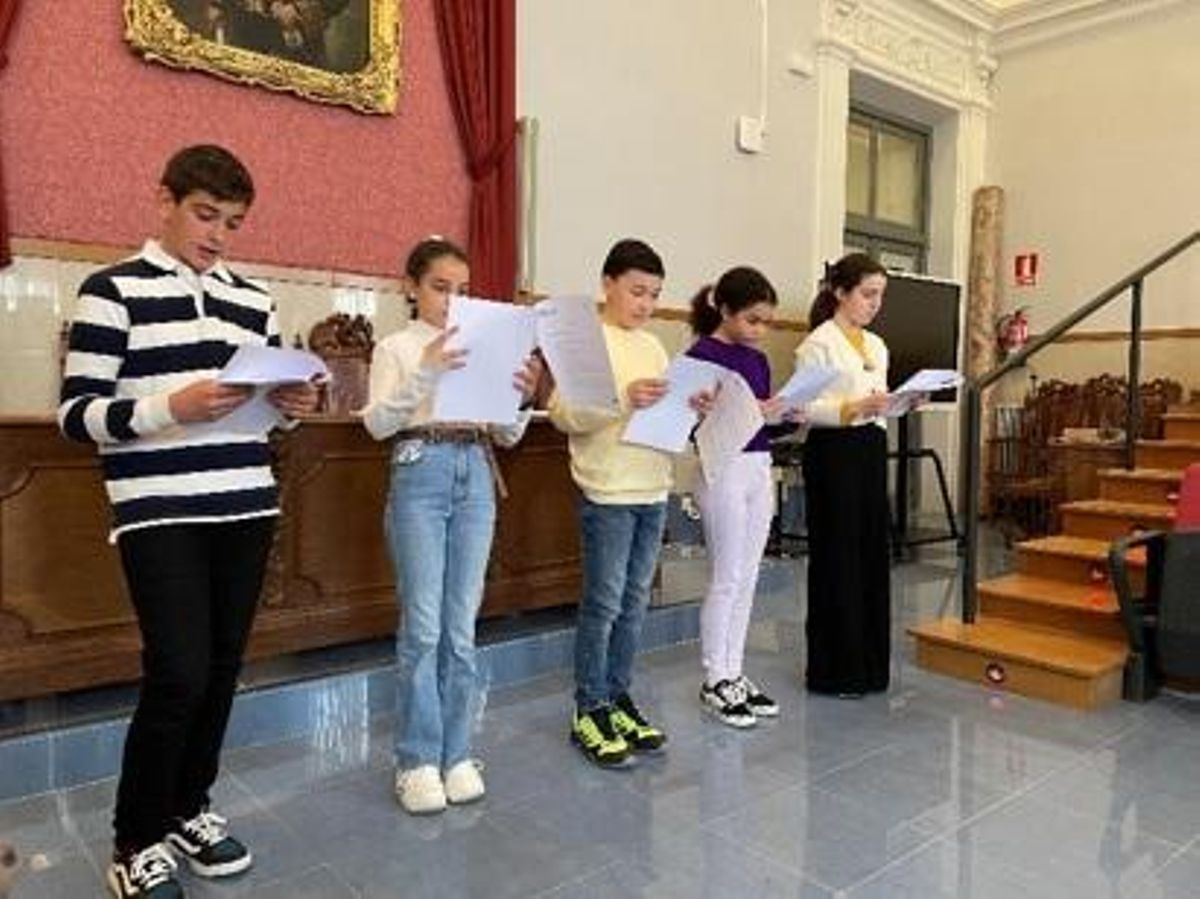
(749, 848)
(285, 878)
(557, 891)
(1071, 811)
(813, 782)
(953, 830)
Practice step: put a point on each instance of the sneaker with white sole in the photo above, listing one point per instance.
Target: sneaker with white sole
(464, 782)
(148, 874)
(420, 790)
(205, 843)
(762, 705)
(726, 701)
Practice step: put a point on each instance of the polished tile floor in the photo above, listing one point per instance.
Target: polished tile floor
(938, 789)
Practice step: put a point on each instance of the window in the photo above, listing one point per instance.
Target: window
(887, 190)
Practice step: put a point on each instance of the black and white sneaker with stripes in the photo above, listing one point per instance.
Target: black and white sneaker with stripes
(762, 705)
(147, 874)
(726, 701)
(206, 844)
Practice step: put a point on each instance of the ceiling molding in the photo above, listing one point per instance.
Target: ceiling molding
(1035, 22)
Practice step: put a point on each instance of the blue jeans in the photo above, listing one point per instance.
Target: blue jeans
(440, 517)
(620, 553)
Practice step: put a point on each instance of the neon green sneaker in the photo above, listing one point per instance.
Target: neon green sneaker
(628, 721)
(593, 733)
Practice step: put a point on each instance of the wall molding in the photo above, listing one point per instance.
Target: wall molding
(1172, 333)
(943, 56)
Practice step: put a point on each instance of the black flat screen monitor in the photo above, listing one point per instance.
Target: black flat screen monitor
(919, 323)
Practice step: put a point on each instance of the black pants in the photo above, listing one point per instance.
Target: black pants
(849, 578)
(195, 588)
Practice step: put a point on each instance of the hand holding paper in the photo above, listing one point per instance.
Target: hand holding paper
(912, 392)
(496, 338)
(666, 424)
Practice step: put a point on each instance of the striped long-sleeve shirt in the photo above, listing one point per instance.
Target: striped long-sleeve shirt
(145, 328)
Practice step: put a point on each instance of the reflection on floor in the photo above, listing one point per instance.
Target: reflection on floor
(938, 789)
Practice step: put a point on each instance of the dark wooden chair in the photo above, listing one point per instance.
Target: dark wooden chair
(1023, 489)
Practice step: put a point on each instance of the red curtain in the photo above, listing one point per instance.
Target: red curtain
(479, 50)
(8, 10)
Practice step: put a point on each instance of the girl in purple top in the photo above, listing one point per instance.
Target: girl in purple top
(730, 319)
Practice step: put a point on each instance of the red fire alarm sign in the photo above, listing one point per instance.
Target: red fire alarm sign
(1025, 269)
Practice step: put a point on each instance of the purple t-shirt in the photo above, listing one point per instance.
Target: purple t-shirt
(752, 365)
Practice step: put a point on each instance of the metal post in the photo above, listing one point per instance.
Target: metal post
(1133, 393)
(969, 496)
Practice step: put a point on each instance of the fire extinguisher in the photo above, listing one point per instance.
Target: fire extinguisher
(1012, 331)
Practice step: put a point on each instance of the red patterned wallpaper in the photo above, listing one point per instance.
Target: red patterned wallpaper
(85, 126)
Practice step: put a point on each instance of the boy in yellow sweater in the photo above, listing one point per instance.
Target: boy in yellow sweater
(622, 515)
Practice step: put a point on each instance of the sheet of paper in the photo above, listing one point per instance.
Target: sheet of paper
(570, 337)
(667, 424)
(805, 385)
(497, 337)
(256, 364)
(928, 380)
(734, 419)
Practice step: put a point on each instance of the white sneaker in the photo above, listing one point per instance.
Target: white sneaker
(420, 790)
(726, 700)
(464, 782)
(762, 705)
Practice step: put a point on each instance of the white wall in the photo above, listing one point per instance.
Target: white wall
(1095, 139)
(637, 103)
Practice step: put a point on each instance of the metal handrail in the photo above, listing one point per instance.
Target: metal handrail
(972, 424)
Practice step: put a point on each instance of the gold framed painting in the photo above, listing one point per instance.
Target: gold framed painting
(333, 51)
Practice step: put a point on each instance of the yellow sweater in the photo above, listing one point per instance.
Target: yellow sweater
(608, 471)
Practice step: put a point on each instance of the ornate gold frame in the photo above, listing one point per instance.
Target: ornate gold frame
(153, 29)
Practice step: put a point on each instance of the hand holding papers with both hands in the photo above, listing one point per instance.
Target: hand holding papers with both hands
(268, 370)
(667, 423)
(486, 347)
(916, 390)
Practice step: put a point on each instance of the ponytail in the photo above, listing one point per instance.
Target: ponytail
(705, 317)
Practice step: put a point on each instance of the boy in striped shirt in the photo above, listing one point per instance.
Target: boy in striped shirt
(194, 503)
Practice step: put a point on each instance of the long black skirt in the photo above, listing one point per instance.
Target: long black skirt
(849, 585)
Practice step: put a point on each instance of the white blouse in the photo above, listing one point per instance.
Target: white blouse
(401, 389)
(828, 346)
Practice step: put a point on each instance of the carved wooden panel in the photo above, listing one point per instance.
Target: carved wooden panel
(65, 621)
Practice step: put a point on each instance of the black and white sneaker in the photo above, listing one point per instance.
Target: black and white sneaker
(762, 705)
(206, 844)
(727, 701)
(149, 874)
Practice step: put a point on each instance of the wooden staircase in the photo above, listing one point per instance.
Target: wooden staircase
(1052, 628)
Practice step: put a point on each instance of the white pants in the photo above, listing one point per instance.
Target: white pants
(736, 512)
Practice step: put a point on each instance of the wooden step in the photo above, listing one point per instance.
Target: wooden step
(1072, 608)
(1181, 426)
(1176, 454)
(1104, 519)
(1083, 672)
(1077, 560)
(1140, 485)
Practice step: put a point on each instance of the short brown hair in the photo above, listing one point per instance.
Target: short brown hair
(209, 168)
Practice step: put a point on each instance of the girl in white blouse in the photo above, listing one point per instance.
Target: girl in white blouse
(848, 627)
(440, 519)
